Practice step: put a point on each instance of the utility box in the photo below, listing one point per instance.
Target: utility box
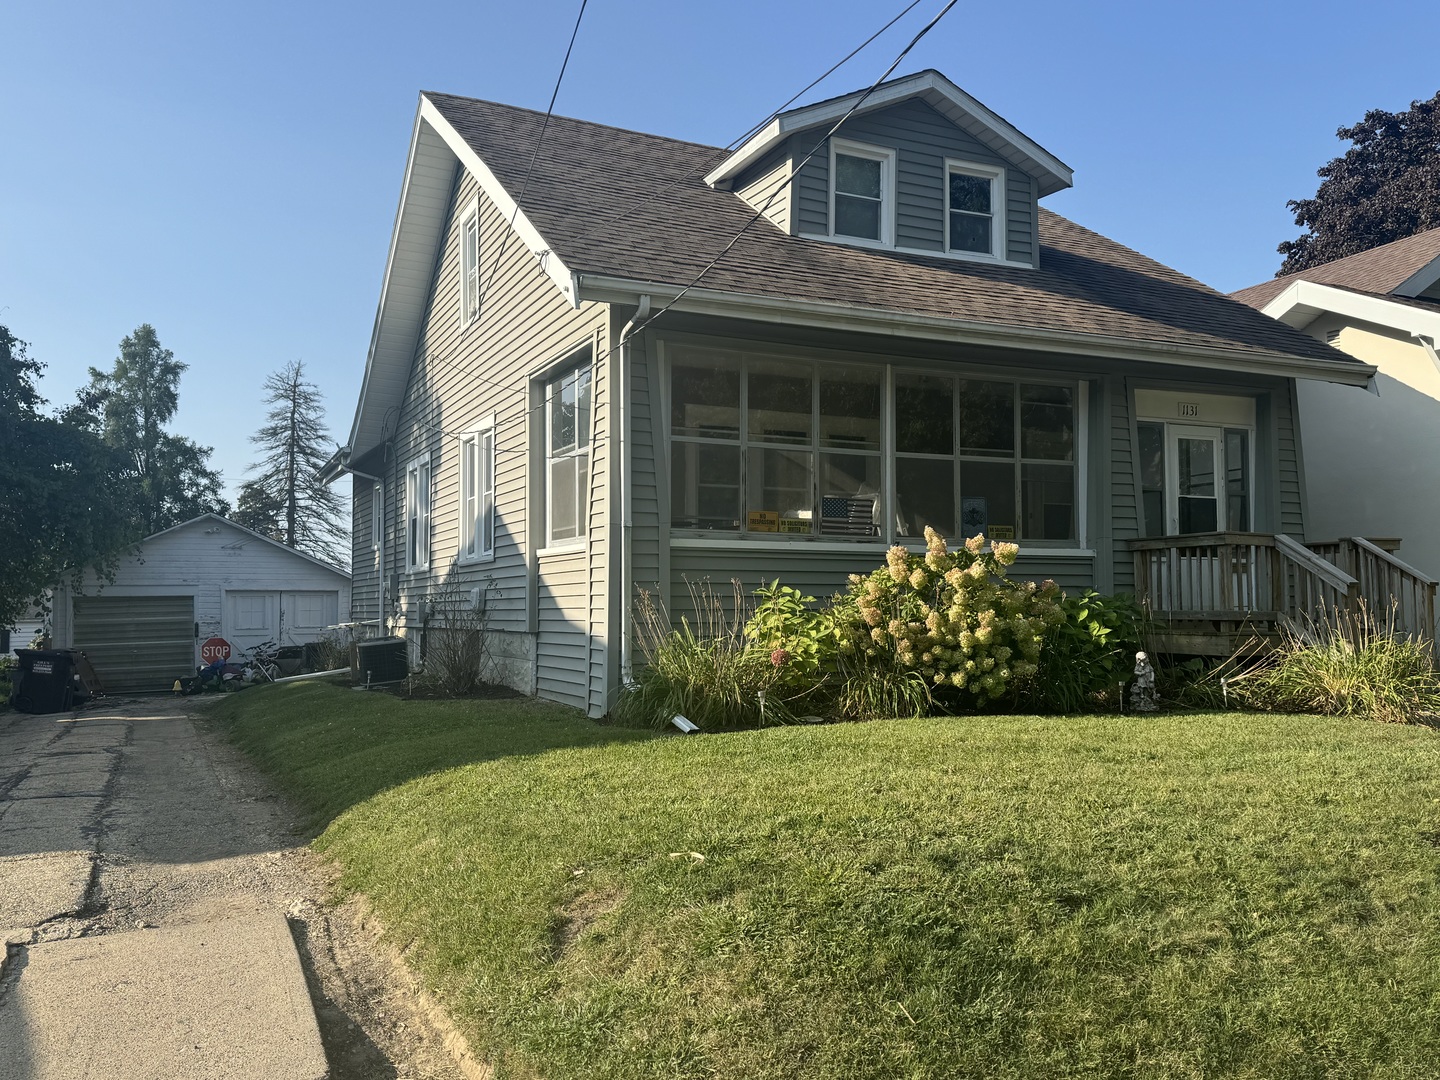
(44, 681)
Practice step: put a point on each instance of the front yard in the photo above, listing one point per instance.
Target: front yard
(1214, 895)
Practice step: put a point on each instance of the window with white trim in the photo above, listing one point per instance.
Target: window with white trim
(470, 268)
(567, 454)
(775, 445)
(974, 209)
(417, 514)
(862, 191)
(477, 493)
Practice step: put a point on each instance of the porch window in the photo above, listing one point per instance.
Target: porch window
(417, 514)
(567, 473)
(477, 493)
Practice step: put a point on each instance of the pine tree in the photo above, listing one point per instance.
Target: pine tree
(286, 498)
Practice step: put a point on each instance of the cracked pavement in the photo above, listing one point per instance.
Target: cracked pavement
(133, 824)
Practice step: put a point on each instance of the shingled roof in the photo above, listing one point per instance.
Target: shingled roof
(1380, 270)
(620, 204)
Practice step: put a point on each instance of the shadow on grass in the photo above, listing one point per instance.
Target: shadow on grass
(330, 747)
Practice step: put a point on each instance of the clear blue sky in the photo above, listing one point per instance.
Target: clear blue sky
(229, 172)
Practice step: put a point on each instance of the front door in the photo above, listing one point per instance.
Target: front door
(1194, 457)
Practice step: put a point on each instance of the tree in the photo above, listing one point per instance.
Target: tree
(287, 499)
(172, 480)
(65, 497)
(1385, 187)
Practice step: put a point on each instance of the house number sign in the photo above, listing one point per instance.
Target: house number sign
(1188, 410)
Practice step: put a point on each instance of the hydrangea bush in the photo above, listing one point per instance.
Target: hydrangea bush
(952, 617)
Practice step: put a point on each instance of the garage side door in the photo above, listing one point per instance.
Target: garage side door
(137, 642)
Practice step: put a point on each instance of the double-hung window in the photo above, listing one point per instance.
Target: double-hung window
(567, 399)
(417, 514)
(477, 493)
(973, 209)
(862, 191)
(470, 268)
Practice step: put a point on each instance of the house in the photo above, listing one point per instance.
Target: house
(31, 626)
(1375, 471)
(205, 578)
(645, 362)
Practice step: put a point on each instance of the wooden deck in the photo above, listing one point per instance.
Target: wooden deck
(1208, 593)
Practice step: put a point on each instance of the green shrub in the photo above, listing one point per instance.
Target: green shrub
(802, 641)
(951, 617)
(706, 671)
(1347, 665)
(1087, 654)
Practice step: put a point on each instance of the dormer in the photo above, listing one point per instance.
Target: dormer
(920, 167)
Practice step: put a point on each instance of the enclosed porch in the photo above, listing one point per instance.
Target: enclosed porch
(1208, 593)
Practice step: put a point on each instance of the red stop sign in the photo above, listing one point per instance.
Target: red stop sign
(215, 648)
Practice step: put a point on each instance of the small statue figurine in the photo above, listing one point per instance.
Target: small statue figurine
(1142, 690)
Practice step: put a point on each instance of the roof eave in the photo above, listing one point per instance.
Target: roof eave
(1303, 302)
(835, 316)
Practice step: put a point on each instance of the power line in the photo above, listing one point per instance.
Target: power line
(638, 203)
(530, 169)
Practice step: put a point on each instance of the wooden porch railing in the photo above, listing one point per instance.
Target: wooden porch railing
(1390, 587)
(1237, 577)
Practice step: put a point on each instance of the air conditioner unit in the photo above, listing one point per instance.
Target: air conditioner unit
(382, 660)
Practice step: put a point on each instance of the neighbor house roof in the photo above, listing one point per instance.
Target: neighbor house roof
(613, 214)
(1403, 267)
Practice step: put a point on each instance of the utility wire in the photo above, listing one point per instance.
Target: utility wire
(605, 223)
(530, 169)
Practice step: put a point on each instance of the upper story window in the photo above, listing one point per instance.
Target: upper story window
(417, 514)
(470, 267)
(477, 492)
(567, 474)
(974, 209)
(377, 514)
(862, 191)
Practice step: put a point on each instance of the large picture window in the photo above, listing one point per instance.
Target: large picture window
(477, 493)
(567, 410)
(774, 445)
(417, 514)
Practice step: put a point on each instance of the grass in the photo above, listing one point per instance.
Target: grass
(1213, 895)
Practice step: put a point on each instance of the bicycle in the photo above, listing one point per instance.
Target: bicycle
(260, 661)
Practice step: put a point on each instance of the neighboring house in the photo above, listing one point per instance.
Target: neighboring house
(905, 338)
(1375, 470)
(207, 577)
(26, 629)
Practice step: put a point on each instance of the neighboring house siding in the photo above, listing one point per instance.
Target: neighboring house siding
(460, 377)
(767, 187)
(923, 140)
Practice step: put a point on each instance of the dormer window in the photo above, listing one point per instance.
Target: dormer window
(973, 218)
(862, 189)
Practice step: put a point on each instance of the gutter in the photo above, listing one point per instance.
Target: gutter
(901, 324)
(627, 516)
(332, 471)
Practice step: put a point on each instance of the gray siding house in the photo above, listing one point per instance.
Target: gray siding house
(670, 362)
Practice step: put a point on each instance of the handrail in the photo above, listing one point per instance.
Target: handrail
(1399, 564)
(1331, 574)
(1160, 543)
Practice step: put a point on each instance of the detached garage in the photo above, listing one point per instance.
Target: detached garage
(207, 578)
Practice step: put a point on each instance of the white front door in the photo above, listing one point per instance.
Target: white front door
(251, 618)
(1195, 457)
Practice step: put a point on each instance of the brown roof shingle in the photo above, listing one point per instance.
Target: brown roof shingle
(1380, 270)
(620, 203)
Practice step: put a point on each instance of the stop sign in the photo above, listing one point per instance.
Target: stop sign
(215, 648)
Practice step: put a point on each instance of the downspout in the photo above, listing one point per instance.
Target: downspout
(627, 517)
(378, 482)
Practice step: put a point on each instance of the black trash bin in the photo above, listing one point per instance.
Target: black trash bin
(44, 682)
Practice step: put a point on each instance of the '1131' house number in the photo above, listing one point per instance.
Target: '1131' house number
(1188, 409)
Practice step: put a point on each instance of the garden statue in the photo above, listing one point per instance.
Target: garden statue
(1142, 690)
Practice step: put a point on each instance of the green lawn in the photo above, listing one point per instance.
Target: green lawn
(1215, 895)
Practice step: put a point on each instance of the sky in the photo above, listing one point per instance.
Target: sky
(230, 172)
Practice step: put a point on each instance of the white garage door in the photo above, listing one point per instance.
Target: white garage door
(137, 642)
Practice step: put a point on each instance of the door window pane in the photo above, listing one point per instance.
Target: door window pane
(705, 397)
(1049, 498)
(1237, 480)
(925, 495)
(779, 400)
(1197, 466)
(987, 418)
(924, 414)
(705, 486)
(1047, 423)
(987, 500)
